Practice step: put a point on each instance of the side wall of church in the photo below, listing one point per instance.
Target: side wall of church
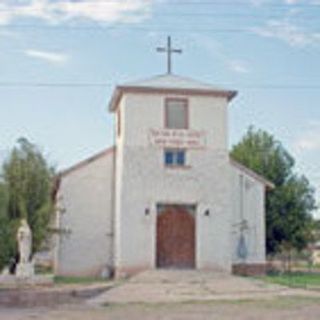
(248, 201)
(84, 246)
(144, 181)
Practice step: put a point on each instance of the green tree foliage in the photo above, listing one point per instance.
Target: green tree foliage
(291, 202)
(26, 192)
(3, 200)
(7, 246)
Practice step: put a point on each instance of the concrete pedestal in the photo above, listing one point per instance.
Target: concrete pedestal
(25, 270)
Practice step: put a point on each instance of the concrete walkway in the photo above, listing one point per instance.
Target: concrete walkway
(166, 286)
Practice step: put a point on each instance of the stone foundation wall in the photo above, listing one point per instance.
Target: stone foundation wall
(252, 269)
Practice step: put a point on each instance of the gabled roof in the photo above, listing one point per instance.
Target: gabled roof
(169, 83)
(57, 179)
(252, 174)
(87, 161)
(172, 81)
(111, 151)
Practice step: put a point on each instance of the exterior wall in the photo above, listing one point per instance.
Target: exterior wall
(248, 201)
(250, 269)
(85, 219)
(143, 181)
(316, 255)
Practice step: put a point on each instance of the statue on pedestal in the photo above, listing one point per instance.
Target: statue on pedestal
(22, 273)
(24, 238)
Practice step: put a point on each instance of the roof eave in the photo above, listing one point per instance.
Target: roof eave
(268, 184)
(114, 101)
(119, 90)
(85, 162)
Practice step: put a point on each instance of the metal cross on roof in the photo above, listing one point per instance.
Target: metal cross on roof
(169, 50)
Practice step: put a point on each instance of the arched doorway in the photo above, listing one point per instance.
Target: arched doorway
(175, 237)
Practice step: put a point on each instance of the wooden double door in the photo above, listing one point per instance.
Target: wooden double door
(176, 236)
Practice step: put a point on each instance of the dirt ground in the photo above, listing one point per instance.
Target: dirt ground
(172, 286)
(276, 309)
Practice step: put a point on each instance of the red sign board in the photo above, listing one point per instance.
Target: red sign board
(181, 139)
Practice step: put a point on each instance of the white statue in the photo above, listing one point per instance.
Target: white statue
(24, 271)
(24, 238)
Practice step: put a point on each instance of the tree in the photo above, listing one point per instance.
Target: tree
(3, 200)
(27, 180)
(6, 243)
(290, 204)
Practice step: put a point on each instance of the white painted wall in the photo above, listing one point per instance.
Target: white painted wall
(143, 181)
(251, 208)
(85, 195)
(209, 181)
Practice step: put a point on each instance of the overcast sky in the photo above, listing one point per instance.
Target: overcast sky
(60, 60)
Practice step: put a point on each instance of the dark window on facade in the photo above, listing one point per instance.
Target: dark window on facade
(118, 122)
(181, 158)
(176, 113)
(174, 157)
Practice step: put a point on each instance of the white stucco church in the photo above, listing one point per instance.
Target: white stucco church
(167, 194)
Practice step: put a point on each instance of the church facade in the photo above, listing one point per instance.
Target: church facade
(167, 194)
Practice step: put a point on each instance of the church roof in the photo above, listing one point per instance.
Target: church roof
(172, 81)
(111, 150)
(169, 83)
(85, 162)
(252, 173)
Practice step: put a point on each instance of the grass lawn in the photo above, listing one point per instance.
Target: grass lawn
(296, 279)
(77, 280)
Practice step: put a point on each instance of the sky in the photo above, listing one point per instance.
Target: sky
(61, 59)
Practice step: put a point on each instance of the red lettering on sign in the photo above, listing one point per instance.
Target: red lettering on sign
(168, 138)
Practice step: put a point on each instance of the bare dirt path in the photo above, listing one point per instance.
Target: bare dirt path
(188, 295)
(168, 286)
(286, 308)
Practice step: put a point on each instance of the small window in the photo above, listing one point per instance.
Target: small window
(169, 158)
(175, 157)
(118, 122)
(176, 114)
(180, 158)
